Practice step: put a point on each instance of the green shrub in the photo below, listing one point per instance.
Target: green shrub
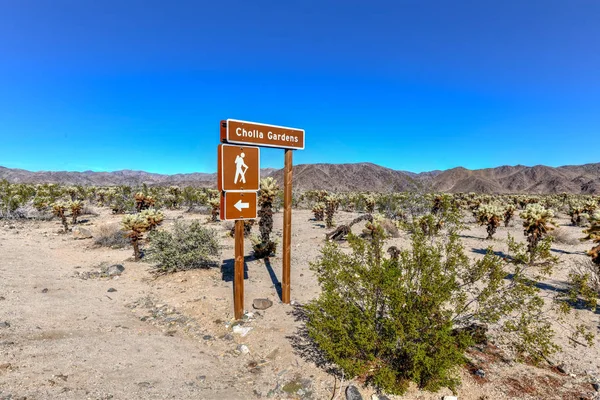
(189, 246)
(411, 317)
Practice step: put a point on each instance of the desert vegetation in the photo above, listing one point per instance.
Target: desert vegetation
(401, 299)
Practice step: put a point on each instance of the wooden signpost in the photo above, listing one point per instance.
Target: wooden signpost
(239, 179)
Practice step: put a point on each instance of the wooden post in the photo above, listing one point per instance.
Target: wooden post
(287, 226)
(238, 279)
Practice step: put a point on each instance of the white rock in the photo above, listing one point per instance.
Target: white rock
(241, 330)
(449, 398)
(242, 348)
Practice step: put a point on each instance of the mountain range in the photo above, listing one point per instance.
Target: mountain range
(584, 179)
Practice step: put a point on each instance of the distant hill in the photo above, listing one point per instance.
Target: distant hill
(357, 177)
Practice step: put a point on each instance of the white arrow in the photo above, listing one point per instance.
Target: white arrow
(240, 206)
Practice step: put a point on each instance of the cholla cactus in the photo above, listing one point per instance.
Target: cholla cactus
(593, 233)
(332, 203)
(215, 209)
(76, 210)
(268, 192)
(537, 222)
(509, 212)
(135, 225)
(490, 215)
(370, 202)
(589, 207)
(318, 211)
(576, 210)
(59, 209)
(143, 202)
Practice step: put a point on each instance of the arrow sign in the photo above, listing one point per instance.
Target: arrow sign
(240, 206)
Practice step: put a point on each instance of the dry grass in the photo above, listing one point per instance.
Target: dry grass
(563, 236)
(110, 236)
(390, 228)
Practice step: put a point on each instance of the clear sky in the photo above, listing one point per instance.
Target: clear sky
(413, 85)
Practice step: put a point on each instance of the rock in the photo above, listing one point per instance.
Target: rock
(261, 304)
(2, 298)
(561, 368)
(241, 330)
(449, 398)
(111, 290)
(81, 233)
(45, 290)
(352, 393)
(480, 373)
(596, 386)
(115, 270)
(242, 348)
(4, 324)
(207, 337)
(5, 366)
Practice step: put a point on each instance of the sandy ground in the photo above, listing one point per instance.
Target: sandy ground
(64, 337)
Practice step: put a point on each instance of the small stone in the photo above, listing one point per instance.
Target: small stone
(596, 386)
(45, 290)
(5, 366)
(81, 233)
(2, 298)
(480, 373)
(201, 378)
(111, 290)
(262, 304)
(449, 398)
(4, 324)
(379, 397)
(207, 337)
(242, 348)
(114, 270)
(228, 337)
(561, 368)
(352, 393)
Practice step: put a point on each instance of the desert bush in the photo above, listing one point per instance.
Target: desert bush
(110, 236)
(562, 236)
(409, 317)
(189, 246)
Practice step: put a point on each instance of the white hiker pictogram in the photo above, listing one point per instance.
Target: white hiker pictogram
(240, 169)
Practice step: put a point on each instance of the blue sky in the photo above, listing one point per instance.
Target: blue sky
(411, 85)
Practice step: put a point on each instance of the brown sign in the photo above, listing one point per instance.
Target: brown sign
(239, 168)
(238, 205)
(243, 132)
